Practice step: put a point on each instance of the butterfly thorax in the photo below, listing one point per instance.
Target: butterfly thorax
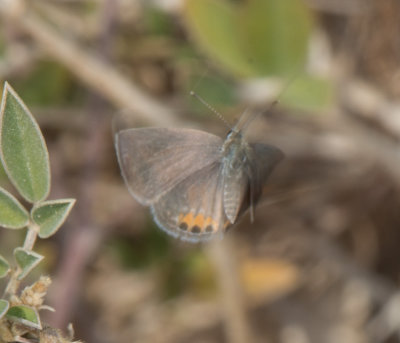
(234, 151)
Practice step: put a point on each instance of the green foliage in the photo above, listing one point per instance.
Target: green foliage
(252, 38)
(25, 315)
(213, 25)
(12, 214)
(215, 90)
(308, 93)
(274, 35)
(157, 22)
(145, 250)
(50, 215)
(23, 151)
(49, 83)
(187, 270)
(26, 261)
(257, 39)
(24, 157)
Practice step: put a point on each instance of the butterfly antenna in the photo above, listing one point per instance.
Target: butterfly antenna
(244, 118)
(243, 124)
(212, 109)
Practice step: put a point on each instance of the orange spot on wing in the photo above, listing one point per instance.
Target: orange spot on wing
(187, 219)
(199, 220)
(209, 221)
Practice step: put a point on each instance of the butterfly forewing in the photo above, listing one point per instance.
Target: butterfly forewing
(154, 160)
(193, 209)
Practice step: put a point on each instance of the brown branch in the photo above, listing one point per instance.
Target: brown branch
(99, 76)
(237, 326)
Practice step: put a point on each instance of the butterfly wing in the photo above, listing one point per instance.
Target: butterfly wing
(244, 175)
(243, 185)
(154, 160)
(262, 162)
(193, 209)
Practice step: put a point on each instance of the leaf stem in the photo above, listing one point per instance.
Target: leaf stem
(31, 236)
(30, 239)
(12, 285)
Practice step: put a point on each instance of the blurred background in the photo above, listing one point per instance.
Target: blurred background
(320, 263)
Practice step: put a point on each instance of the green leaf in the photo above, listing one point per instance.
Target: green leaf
(254, 37)
(26, 261)
(157, 21)
(48, 83)
(274, 35)
(213, 25)
(4, 267)
(4, 305)
(309, 93)
(218, 94)
(50, 215)
(25, 315)
(12, 214)
(23, 150)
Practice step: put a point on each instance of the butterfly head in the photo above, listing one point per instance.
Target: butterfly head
(233, 141)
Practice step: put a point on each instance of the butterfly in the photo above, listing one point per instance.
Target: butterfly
(197, 184)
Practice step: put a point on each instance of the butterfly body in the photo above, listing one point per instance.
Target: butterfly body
(196, 184)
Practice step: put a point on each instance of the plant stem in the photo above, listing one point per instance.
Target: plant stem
(12, 285)
(30, 239)
(31, 236)
(237, 325)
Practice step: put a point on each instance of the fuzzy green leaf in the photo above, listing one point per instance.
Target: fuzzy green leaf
(26, 261)
(4, 267)
(50, 215)
(23, 150)
(25, 315)
(4, 305)
(12, 214)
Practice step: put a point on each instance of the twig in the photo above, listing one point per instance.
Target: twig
(237, 327)
(100, 76)
(30, 239)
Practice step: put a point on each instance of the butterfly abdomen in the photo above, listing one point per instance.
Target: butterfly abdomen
(235, 179)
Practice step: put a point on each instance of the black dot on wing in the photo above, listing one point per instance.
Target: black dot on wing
(183, 226)
(196, 229)
(209, 228)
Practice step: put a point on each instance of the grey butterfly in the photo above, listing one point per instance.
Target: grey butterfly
(197, 184)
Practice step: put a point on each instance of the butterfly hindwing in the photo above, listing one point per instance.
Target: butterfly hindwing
(193, 210)
(264, 159)
(154, 160)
